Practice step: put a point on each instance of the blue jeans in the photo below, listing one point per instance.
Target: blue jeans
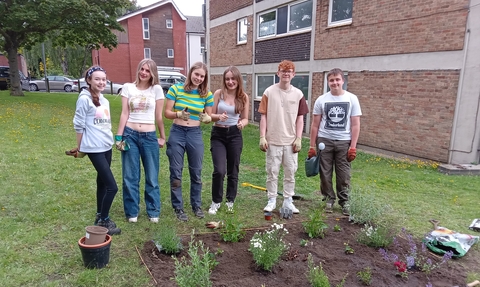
(106, 184)
(185, 139)
(226, 147)
(144, 146)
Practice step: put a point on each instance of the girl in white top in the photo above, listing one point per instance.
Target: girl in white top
(142, 109)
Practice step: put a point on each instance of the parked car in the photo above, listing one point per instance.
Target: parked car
(167, 79)
(55, 83)
(117, 88)
(5, 78)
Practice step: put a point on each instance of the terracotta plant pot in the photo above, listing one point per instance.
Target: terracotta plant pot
(95, 256)
(268, 215)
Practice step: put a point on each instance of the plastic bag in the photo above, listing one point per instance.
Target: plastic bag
(441, 240)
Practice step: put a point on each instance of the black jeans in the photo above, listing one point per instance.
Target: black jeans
(226, 145)
(106, 184)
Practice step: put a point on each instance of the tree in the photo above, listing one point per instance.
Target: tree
(24, 23)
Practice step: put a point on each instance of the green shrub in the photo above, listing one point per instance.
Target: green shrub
(168, 241)
(364, 208)
(232, 229)
(315, 226)
(267, 247)
(378, 236)
(365, 276)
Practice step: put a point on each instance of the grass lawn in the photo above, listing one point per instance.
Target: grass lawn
(47, 198)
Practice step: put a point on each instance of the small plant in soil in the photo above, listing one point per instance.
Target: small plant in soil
(303, 242)
(197, 270)
(267, 247)
(337, 228)
(232, 230)
(375, 236)
(167, 240)
(315, 226)
(365, 276)
(317, 276)
(348, 248)
(414, 259)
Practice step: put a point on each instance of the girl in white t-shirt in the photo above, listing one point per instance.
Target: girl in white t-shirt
(142, 113)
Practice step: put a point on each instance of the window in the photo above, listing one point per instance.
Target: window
(300, 81)
(290, 18)
(242, 26)
(345, 83)
(146, 53)
(265, 81)
(169, 24)
(170, 53)
(340, 12)
(244, 79)
(300, 16)
(146, 29)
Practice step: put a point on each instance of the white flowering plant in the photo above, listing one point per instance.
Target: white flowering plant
(267, 247)
(375, 236)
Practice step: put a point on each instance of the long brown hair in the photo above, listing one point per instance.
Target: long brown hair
(203, 87)
(240, 96)
(153, 71)
(88, 75)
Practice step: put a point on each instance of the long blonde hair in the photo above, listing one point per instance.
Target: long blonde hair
(153, 71)
(203, 87)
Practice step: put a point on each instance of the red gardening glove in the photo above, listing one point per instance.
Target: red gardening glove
(352, 154)
(312, 152)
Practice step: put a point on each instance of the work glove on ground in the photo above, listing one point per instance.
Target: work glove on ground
(312, 152)
(297, 145)
(183, 114)
(263, 144)
(205, 118)
(352, 154)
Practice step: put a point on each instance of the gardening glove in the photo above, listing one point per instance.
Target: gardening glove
(183, 114)
(205, 118)
(297, 145)
(120, 144)
(263, 144)
(214, 224)
(352, 154)
(312, 152)
(75, 153)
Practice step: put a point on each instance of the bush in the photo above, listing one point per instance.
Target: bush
(232, 230)
(375, 236)
(168, 241)
(315, 226)
(267, 247)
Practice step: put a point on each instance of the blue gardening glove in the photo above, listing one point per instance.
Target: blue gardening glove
(120, 144)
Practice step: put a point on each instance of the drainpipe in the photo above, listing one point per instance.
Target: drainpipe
(459, 94)
(254, 79)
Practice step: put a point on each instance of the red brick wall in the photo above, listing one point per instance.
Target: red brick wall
(409, 112)
(380, 28)
(216, 83)
(222, 7)
(224, 50)
(118, 71)
(161, 38)
(179, 41)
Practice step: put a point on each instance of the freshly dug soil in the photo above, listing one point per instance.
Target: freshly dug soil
(237, 268)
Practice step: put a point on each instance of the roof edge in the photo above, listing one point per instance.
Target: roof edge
(151, 7)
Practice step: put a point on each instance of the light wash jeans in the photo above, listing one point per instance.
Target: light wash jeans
(281, 156)
(185, 139)
(144, 146)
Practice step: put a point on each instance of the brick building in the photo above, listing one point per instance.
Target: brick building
(157, 31)
(413, 65)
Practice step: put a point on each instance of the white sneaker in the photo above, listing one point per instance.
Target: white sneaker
(230, 206)
(153, 219)
(271, 205)
(288, 203)
(133, 219)
(214, 208)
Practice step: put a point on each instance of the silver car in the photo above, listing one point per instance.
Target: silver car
(117, 88)
(55, 83)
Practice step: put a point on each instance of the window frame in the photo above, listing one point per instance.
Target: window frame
(288, 31)
(145, 51)
(168, 53)
(169, 23)
(244, 22)
(147, 31)
(275, 77)
(337, 23)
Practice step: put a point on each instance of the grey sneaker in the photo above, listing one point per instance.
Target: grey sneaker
(97, 218)
(181, 215)
(198, 212)
(329, 208)
(110, 225)
(346, 210)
